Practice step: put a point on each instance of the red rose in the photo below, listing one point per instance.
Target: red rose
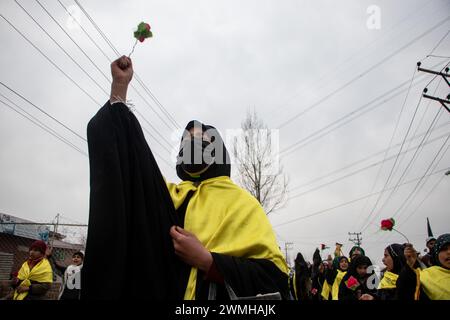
(147, 26)
(314, 291)
(352, 283)
(141, 39)
(387, 224)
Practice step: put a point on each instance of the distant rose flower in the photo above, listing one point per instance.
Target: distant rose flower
(314, 291)
(352, 283)
(387, 224)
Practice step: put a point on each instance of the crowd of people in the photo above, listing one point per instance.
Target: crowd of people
(204, 238)
(405, 276)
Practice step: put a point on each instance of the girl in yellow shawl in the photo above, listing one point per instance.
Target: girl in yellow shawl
(35, 276)
(334, 278)
(432, 283)
(394, 260)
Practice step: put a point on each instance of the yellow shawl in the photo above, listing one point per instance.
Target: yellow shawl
(435, 282)
(325, 290)
(294, 284)
(389, 281)
(227, 220)
(336, 283)
(41, 272)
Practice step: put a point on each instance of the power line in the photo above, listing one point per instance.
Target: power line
(426, 171)
(44, 127)
(358, 171)
(135, 74)
(350, 202)
(360, 161)
(412, 160)
(408, 147)
(85, 32)
(71, 79)
(417, 188)
(73, 41)
(438, 44)
(423, 184)
(362, 109)
(106, 56)
(50, 130)
(392, 138)
(413, 212)
(51, 62)
(63, 50)
(393, 166)
(96, 66)
(102, 34)
(43, 111)
(408, 166)
(359, 76)
(352, 57)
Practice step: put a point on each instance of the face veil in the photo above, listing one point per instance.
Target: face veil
(202, 158)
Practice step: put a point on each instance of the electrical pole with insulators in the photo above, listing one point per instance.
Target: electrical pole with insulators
(445, 75)
(357, 240)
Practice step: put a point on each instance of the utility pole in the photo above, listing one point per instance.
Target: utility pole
(444, 102)
(357, 240)
(287, 247)
(55, 229)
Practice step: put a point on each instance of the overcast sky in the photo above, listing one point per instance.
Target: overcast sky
(213, 61)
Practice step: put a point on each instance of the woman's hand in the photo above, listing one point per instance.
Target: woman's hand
(190, 249)
(21, 289)
(366, 296)
(122, 73)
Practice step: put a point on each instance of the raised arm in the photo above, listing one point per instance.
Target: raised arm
(122, 73)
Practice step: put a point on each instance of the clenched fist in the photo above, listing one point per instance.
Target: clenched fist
(122, 70)
(122, 73)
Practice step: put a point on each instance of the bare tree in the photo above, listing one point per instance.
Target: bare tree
(257, 170)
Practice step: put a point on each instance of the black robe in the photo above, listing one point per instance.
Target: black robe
(130, 214)
(129, 253)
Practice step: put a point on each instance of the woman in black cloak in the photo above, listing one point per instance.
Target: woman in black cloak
(202, 239)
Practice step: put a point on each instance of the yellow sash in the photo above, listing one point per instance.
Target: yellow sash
(336, 283)
(227, 220)
(294, 284)
(389, 281)
(41, 272)
(325, 290)
(435, 282)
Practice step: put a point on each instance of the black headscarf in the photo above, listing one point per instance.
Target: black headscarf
(356, 248)
(301, 266)
(396, 251)
(302, 277)
(332, 273)
(355, 263)
(217, 168)
(337, 262)
(440, 243)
